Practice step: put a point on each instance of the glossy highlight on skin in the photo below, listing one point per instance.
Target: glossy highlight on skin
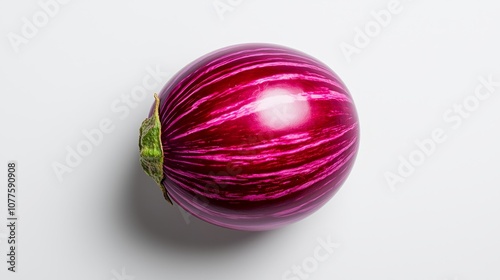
(256, 136)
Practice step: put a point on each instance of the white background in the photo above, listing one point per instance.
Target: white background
(108, 220)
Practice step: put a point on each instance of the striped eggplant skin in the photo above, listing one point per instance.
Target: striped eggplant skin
(256, 136)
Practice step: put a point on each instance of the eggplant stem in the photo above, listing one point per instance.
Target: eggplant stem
(151, 148)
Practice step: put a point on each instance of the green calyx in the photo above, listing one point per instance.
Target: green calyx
(151, 148)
